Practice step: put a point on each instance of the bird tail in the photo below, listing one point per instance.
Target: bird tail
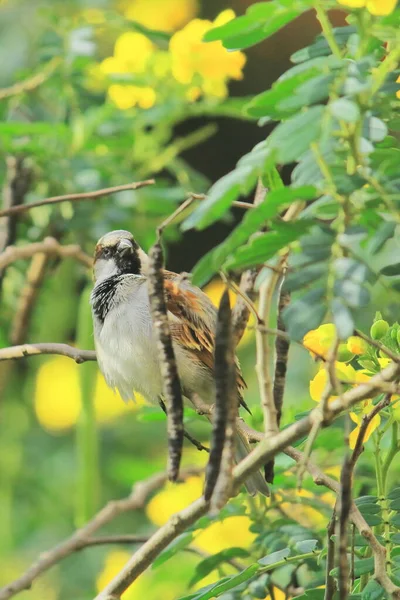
(255, 483)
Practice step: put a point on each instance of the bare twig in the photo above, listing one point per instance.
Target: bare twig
(50, 247)
(241, 311)
(33, 82)
(169, 370)
(281, 358)
(25, 350)
(344, 505)
(186, 434)
(218, 486)
(366, 420)
(76, 197)
(330, 584)
(83, 537)
(18, 180)
(26, 302)
(377, 344)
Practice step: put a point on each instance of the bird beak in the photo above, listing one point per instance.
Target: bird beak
(124, 247)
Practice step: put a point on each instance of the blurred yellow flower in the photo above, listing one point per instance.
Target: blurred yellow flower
(163, 15)
(114, 563)
(193, 59)
(319, 341)
(127, 96)
(357, 418)
(214, 291)
(398, 93)
(132, 54)
(357, 345)
(58, 396)
(303, 514)
(345, 373)
(233, 531)
(375, 7)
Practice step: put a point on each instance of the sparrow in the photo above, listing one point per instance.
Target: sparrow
(124, 337)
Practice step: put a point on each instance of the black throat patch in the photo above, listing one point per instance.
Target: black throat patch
(103, 296)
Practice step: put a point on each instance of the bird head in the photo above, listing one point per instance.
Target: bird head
(118, 253)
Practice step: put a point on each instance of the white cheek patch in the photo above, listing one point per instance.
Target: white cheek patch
(104, 268)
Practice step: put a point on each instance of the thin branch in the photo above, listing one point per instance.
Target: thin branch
(48, 246)
(25, 350)
(330, 584)
(27, 299)
(377, 344)
(344, 506)
(281, 358)
(33, 82)
(241, 311)
(18, 180)
(219, 469)
(76, 197)
(366, 420)
(169, 370)
(83, 536)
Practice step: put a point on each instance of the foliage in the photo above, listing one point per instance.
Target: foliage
(98, 103)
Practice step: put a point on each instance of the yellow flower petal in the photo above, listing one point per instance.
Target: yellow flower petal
(356, 345)
(381, 7)
(319, 341)
(352, 3)
(192, 58)
(163, 15)
(58, 394)
(134, 51)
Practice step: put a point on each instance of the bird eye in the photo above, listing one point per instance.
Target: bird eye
(106, 252)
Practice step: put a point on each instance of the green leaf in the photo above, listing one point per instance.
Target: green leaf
(266, 103)
(384, 232)
(306, 546)
(395, 504)
(266, 245)
(391, 270)
(352, 293)
(395, 538)
(206, 566)
(395, 520)
(369, 508)
(345, 110)
(275, 557)
(304, 276)
(373, 591)
(306, 313)
(229, 188)
(394, 494)
(260, 22)
(361, 567)
(366, 500)
(229, 583)
(254, 219)
(375, 129)
(293, 137)
(180, 542)
(342, 318)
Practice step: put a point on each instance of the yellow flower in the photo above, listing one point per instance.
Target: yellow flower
(127, 96)
(233, 531)
(357, 345)
(375, 7)
(163, 15)
(58, 396)
(398, 93)
(132, 52)
(214, 291)
(319, 341)
(192, 58)
(345, 373)
(357, 418)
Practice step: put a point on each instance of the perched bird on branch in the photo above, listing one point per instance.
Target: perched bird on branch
(124, 334)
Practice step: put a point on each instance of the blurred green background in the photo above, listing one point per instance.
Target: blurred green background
(107, 93)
